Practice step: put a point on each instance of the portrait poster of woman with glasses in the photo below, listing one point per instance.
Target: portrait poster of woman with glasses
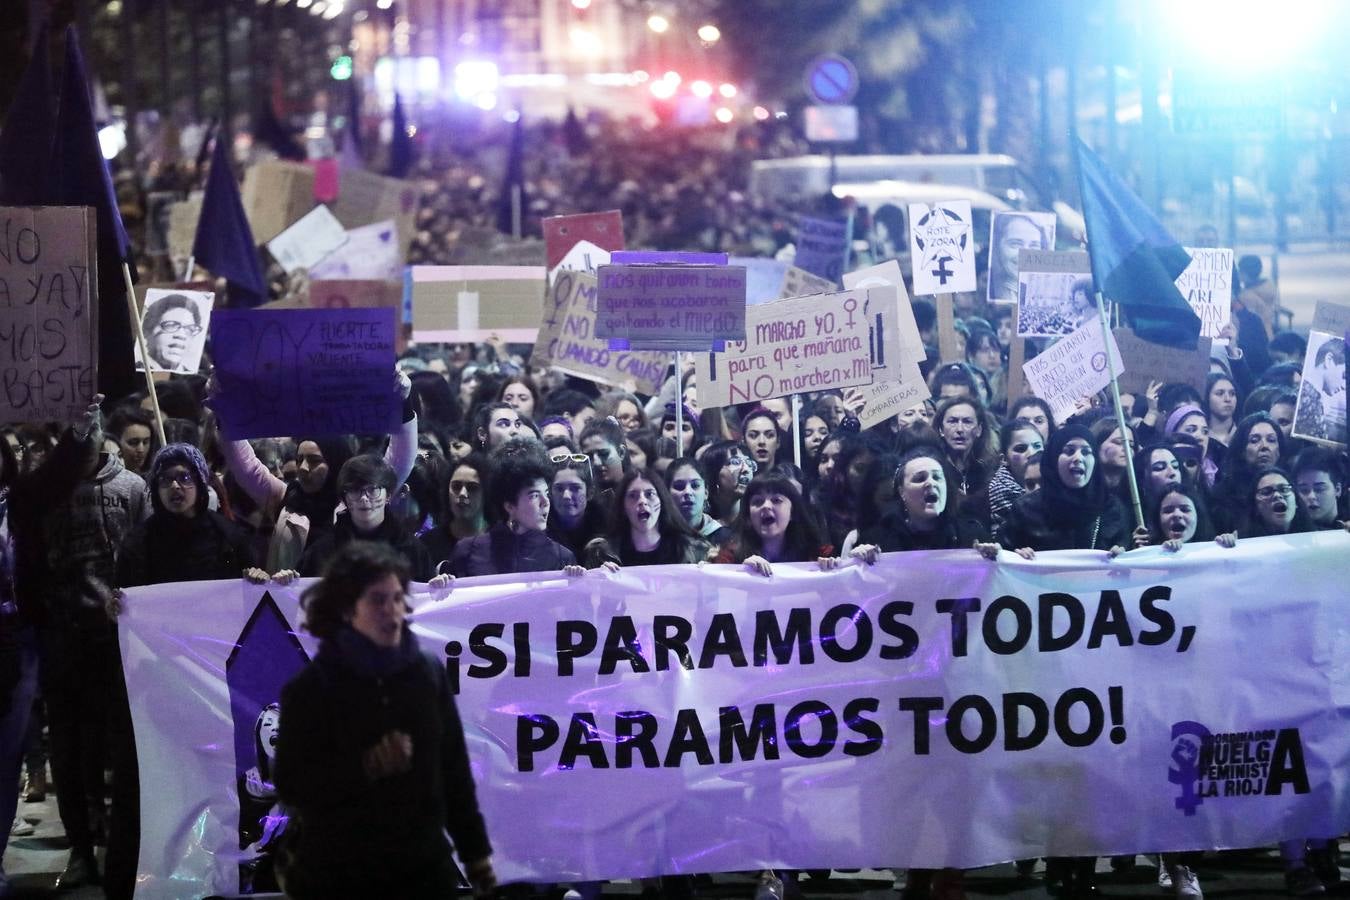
(174, 324)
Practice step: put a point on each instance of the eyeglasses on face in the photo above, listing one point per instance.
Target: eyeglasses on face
(1273, 491)
(181, 479)
(172, 327)
(366, 491)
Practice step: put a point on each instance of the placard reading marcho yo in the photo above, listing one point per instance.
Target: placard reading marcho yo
(48, 317)
(671, 307)
(936, 709)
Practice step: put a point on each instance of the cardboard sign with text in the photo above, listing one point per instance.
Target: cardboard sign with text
(305, 371)
(1146, 361)
(942, 247)
(1207, 285)
(562, 233)
(801, 283)
(791, 346)
(883, 399)
(821, 244)
(304, 244)
(567, 340)
(360, 294)
(670, 307)
(48, 313)
(366, 198)
(276, 194)
(369, 254)
(905, 329)
(583, 257)
(1073, 368)
(182, 233)
(452, 304)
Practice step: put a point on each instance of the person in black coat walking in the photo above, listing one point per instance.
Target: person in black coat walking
(371, 760)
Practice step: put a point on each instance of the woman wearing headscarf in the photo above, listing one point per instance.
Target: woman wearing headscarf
(371, 757)
(1189, 419)
(307, 505)
(1072, 510)
(645, 528)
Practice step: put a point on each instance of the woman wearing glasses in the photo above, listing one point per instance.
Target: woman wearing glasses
(171, 325)
(1272, 506)
(729, 469)
(364, 484)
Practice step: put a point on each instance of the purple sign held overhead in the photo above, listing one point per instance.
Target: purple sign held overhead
(821, 247)
(655, 257)
(305, 371)
(670, 307)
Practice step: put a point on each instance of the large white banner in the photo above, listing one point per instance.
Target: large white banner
(933, 710)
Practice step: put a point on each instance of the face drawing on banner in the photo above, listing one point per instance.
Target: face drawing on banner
(1321, 396)
(174, 325)
(1011, 232)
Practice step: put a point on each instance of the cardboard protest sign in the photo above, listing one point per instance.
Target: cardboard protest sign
(183, 218)
(478, 246)
(942, 247)
(670, 307)
(567, 340)
(667, 257)
(304, 244)
(794, 345)
(801, 283)
(276, 194)
(305, 371)
(1073, 368)
(48, 313)
(1054, 292)
(900, 324)
(175, 324)
(821, 245)
(369, 254)
(882, 400)
(473, 303)
(1207, 285)
(1146, 361)
(1009, 234)
(359, 294)
(366, 198)
(562, 233)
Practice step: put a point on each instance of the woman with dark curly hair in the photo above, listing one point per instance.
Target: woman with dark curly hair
(645, 528)
(518, 499)
(774, 527)
(371, 758)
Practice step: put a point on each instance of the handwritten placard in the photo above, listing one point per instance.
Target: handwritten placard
(820, 248)
(671, 307)
(359, 294)
(276, 194)
(304, 244)
(1073, 368)
(1146, 361)
(305, 371)
(882, 400)
(1207, 285)
(791, 346)
(899, 323)
(473, 303)
(801, 283)
(567, 340)
(942, 247)
(48, 317)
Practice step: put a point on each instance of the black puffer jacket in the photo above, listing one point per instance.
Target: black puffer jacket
(894, 533)
(321, 548)
(168, 548)
(353, 837)
(1030, 523)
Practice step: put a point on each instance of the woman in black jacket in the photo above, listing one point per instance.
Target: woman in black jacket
(371, 761)
(1072, 510)
(645, 528)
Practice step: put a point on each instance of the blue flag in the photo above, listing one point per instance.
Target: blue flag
(30, 134)
(1135, 262)
(224, 242)
(400, 145)
(513, 182)
(81, 178)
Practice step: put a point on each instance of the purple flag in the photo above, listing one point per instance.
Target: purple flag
(30, 134)
(224, 242)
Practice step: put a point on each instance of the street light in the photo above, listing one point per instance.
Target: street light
(581, 4)
(700, 89)
(658, 23)
(709, 34)
(724, 115)
(727, 89)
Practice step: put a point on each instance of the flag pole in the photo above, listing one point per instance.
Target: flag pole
(797, 430)
(145, 355)
(191, 264)
(1123, 423)
(679, 407)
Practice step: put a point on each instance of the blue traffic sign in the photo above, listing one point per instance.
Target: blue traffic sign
(831, 79)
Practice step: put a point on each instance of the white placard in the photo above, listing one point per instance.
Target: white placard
(1207, 285)
(371, 253)
(1073, 368)
(317, 234)
(175, 325)
(942, 247)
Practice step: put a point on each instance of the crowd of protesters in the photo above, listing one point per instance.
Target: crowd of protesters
(498, 468)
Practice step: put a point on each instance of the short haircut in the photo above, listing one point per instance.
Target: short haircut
(353, 568)
(366, 469)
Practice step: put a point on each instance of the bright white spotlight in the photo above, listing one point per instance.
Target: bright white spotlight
(584, 39)
(658, 23)
(761, 113)
(384, 4)
(672, 77)
(582, 4)
(1207, 33)
(724, 115)
(700, 89)
(663, 89)
(709, 34)
(112, 139)
(727, 89)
